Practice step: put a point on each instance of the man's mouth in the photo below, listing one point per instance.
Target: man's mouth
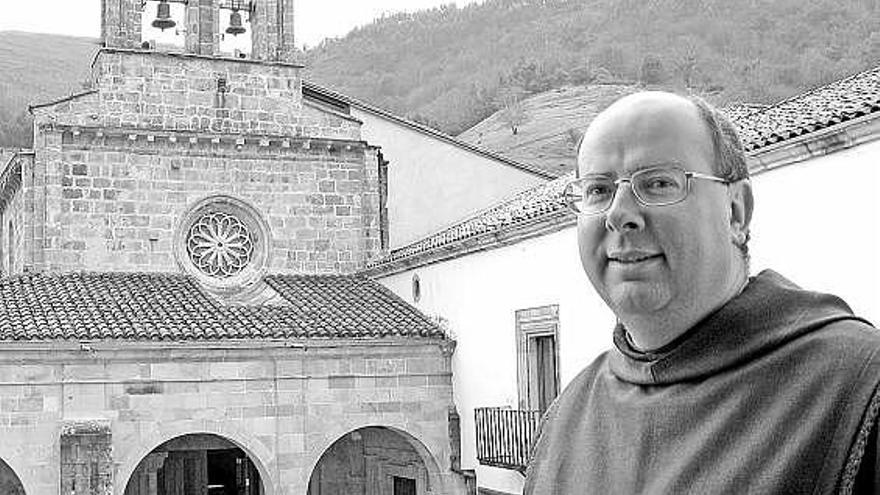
(633, 258)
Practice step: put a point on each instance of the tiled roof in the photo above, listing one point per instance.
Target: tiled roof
(533, 203)
(837, 102)
(759, 127)
(140, 306)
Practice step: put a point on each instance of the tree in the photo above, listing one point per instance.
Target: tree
(512, 111)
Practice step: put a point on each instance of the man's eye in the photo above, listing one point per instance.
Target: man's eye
(660, 183)
(597, 190)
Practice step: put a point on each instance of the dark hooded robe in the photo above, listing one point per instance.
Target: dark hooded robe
(774, 393)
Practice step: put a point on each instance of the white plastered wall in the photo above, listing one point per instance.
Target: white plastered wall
(432, 183)
(816, 222)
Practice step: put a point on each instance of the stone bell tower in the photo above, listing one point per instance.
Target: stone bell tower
(272, 31)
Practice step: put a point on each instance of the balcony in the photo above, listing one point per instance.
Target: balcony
(505, 436)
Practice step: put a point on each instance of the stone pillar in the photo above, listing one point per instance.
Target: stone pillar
(272, 31)
(121, 23)
(86, 458)
(287, 41)
(203, 27)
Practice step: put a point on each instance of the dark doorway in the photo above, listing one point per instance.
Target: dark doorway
(195, 465)
(9, 482)
(404, 486)
(545, 353)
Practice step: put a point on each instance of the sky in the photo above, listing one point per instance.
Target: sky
(315, 19)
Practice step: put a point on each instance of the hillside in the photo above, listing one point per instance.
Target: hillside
(550, 125)
(452, 67)
(35, 68)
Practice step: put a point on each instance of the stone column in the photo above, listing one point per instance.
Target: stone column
(121, 23)
(202, 27)
(86, 458)
(272, 31)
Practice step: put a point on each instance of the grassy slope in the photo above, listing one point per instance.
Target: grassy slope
(36, 68)
(553, 123)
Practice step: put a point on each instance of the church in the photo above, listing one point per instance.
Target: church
(180, 308)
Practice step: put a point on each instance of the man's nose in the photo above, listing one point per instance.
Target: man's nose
(625, 212)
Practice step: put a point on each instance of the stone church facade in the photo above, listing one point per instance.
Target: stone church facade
(179, 309)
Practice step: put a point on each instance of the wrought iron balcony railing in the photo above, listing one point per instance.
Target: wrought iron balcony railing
(505, 436)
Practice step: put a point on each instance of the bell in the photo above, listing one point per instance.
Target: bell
(235, 28)
(163, 16)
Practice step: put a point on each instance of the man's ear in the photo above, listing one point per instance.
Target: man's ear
(741, 205)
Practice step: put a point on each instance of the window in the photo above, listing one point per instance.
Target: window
(416, 288)
(224, 243)
(537, 352)
(404, 486)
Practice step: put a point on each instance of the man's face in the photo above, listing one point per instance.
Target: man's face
(646, 260)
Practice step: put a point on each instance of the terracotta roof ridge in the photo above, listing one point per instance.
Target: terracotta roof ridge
(815, 89)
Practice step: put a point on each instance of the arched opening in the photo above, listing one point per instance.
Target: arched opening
(197, 464)
(236, 28)
(9, 482)
(371, 461)
(163, 25)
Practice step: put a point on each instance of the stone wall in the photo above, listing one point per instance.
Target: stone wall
(119, 166)
(115, 201)
(180, 92)
(284, 404)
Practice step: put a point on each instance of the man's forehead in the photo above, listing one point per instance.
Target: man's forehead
(642, 130)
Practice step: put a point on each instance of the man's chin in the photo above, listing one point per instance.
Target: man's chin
(639, 297)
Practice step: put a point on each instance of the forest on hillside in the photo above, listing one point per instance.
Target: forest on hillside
(451, 67)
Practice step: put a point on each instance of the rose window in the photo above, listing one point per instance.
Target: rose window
(219, 244)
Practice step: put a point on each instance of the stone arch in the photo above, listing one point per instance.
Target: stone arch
(10, 482)
(258, 453)
(433, 481)
(163, 39)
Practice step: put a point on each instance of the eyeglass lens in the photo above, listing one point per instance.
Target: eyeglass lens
(652, 187)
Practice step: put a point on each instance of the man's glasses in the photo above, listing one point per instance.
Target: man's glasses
(656, 186)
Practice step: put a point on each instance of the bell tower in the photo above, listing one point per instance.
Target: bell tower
(271, 25)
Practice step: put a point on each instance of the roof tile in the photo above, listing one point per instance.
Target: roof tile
(159, 306)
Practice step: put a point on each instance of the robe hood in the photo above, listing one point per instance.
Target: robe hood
(770, 312)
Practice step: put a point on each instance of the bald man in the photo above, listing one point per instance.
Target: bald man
(718, 382)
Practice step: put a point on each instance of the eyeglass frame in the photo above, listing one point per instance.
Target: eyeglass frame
(687, 173)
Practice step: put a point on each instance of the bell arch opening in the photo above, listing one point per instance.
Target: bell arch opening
(374, 460)
(163, 25)
(196, 464)
(9, 482)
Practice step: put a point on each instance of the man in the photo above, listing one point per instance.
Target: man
(718, 383)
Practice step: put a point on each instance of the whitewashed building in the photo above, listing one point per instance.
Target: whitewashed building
(509, 285)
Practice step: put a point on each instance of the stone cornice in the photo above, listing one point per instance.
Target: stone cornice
(238, 143)
(194, 56)
(65, 351)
